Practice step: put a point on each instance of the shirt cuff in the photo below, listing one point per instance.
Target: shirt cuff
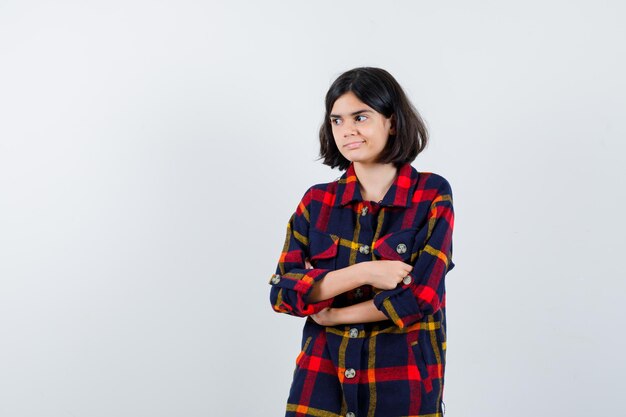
(297, 285)
(399, 305)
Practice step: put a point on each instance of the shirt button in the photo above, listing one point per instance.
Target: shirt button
(275, 279)
(354, 332)
(350, 414)
(364, 249)
(350, 373)
(364, 211)
(407, 280)
(401, 248)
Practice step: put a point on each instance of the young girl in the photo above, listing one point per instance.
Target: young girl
(364, 260)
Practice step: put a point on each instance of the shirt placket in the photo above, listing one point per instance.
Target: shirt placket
(355, 335)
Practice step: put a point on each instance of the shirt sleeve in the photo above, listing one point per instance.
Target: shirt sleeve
(292, 282)
(423, 291)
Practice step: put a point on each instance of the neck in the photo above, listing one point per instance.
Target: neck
(374, 179)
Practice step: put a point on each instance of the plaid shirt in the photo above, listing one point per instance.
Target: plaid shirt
(387, 368)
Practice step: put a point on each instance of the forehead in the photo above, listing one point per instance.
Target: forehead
(349, 103)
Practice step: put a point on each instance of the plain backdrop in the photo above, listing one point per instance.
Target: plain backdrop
(152, 152)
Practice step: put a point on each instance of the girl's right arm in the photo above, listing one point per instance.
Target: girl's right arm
(293, 280)
(384, 275)
(301, 291)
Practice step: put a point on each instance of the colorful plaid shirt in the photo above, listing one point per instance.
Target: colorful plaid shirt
(388, 368)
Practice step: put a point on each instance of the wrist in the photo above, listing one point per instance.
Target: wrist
(337, 316)
(359, 277)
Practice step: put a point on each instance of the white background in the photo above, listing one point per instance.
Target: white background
(151, 153)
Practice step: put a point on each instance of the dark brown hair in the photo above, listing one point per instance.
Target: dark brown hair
(379, 90)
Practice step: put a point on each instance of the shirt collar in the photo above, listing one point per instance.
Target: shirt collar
(398, 195)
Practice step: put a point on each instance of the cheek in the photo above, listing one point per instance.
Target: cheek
(382, 142)
(375, 135)
(337, 137)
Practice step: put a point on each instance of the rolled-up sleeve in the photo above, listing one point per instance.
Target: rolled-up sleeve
(422, 292)
(292, 282)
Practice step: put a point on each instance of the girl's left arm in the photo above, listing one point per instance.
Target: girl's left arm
(365, 312)
(423, 293)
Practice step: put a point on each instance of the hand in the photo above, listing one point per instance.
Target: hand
(326, 317)
(307, 264)
(385, 275)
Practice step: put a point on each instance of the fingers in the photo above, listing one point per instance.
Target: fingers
(387, 274)
(404, 268)
(322, 317)
(307, 264)
(407, 267)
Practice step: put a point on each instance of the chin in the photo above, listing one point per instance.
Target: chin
(350, 158)
(358, 158)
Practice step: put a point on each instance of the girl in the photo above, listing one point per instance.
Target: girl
(364, 260)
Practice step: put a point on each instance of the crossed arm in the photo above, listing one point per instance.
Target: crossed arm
(380, 274)
(301, 291)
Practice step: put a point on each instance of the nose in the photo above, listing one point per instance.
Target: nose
(349, 130)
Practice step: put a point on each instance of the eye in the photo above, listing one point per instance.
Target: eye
(335, 121)
(360, 118)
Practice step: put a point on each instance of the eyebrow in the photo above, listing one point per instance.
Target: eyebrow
(353, 114)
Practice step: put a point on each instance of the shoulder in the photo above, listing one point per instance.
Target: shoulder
(323, 191)
(320, 192)
(431, 181)
(327, 186)
(432, 188)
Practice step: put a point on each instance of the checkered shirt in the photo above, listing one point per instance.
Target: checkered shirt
(389, 368)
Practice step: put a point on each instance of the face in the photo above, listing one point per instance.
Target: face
(360, 132)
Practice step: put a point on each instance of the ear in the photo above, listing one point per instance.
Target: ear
(392, 127)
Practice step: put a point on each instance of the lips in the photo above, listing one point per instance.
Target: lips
(354, 144)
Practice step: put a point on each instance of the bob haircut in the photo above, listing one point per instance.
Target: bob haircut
(380, 91)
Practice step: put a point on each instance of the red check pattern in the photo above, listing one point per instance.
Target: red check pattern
(390, 368)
